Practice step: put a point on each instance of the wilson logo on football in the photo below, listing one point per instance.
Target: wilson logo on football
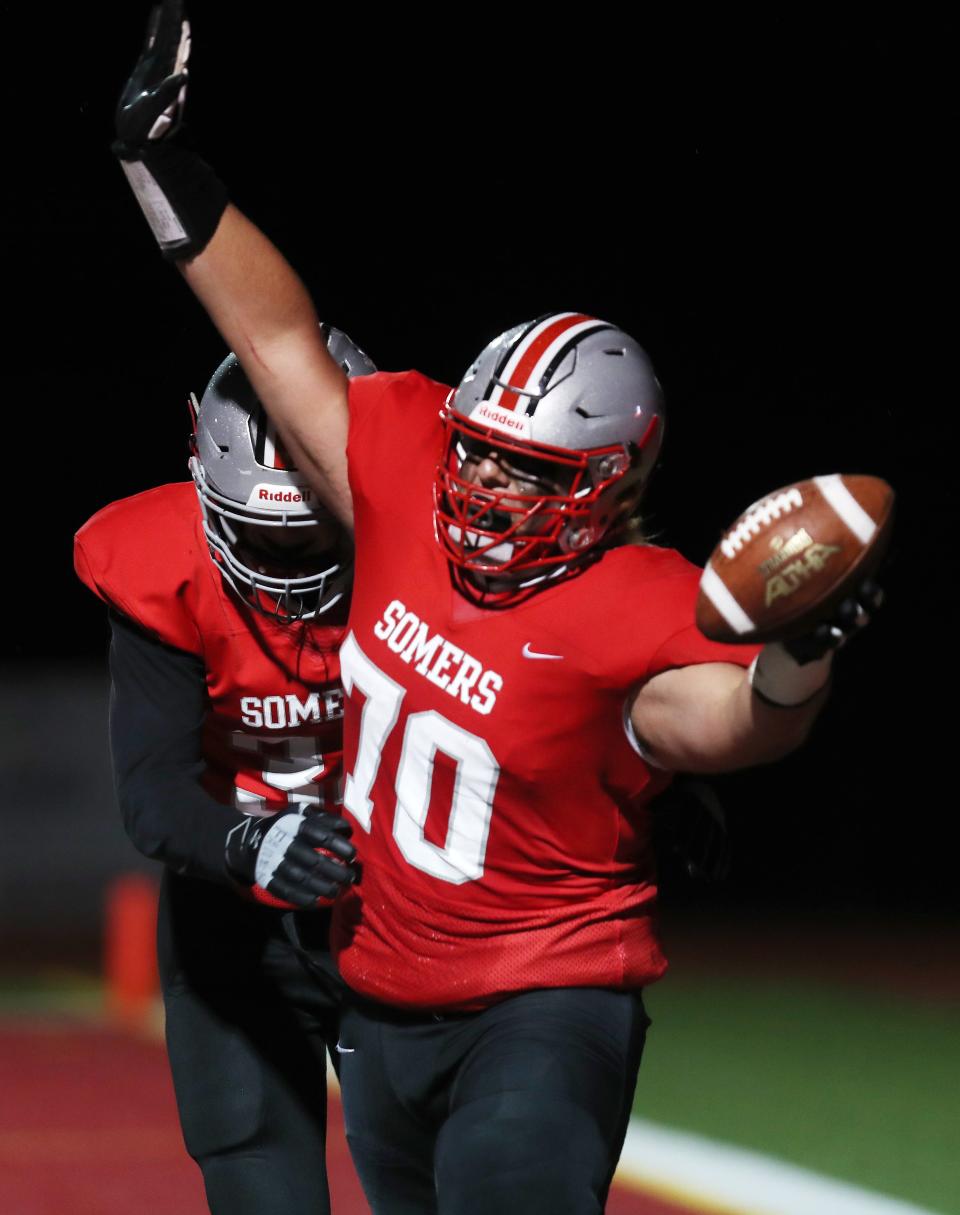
(282, 497)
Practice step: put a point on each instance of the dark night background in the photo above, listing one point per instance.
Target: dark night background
(749, 203)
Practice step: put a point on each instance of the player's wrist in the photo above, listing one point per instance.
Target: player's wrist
(779, 680)
(181, 197)
(242, 848)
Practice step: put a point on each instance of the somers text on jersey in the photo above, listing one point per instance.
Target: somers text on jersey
(458, 673)
(289, 711)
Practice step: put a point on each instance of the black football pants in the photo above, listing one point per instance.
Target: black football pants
(247, 1028)
(520, 1108)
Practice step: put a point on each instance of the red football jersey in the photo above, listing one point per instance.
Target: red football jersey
(273, 734)
(505, 836)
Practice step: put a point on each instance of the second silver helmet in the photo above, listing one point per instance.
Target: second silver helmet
(261, 519)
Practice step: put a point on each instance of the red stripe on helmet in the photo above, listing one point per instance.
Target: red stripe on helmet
(279, 458)
(538, 345)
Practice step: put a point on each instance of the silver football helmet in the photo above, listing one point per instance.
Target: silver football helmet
(275, 544)
(571, 412)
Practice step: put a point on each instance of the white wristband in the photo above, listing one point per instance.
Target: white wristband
(777, 677)
(163, 220)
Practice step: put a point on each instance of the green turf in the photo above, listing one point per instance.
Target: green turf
(857, 1086)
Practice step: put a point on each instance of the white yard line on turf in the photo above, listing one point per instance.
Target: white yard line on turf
(709, 1176)
(713, 1176)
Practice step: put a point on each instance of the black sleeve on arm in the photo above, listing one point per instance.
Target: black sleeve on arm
(157, 708)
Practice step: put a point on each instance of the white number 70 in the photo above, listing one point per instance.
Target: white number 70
(462, 856)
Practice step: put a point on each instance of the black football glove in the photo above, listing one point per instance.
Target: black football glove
(178, 193)
(786, 674)
(151, 104)
(295, 859)
(852, 615)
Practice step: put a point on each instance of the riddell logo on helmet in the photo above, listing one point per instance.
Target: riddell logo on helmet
(282, 497)
(502, 419)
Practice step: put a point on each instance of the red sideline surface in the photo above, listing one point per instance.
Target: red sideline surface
(88, 1126)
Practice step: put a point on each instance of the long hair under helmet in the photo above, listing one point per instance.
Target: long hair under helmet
(571, 409)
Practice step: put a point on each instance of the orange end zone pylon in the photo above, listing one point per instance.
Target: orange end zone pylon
(130, 955)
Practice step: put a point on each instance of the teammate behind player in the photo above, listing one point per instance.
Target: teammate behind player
(227, 599)
(520, 682)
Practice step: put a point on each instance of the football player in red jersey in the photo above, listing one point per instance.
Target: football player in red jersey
(521, 680)
(227, 600)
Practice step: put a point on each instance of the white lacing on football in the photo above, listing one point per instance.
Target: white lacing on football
(758, 517)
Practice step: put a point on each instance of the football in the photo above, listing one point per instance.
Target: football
(792, 557)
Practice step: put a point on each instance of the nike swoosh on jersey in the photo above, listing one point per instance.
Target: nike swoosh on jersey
(345, 1050)
(528, 653)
